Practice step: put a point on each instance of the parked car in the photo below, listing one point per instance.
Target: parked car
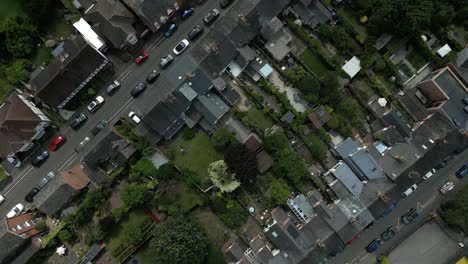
(110, 90)
(374, 245)
(102, 124)
(82, 144)
(78, 121)
(152, 76)
(183, 44)
(166, 61)
(187, 13)
(447, 187)
(170, 30)
(196, 32)
(429, 174)
(409, 191)
(15, 210)
(211, 17)
(409, 216)
(388, 234)
(138, 89)
(40, 158)
(57, 142)
(2, 199)
(224, 3)
(463, 171)
(95, 104)
(134, 117)
(142, 58)
(445, 162)
(45, 180)
(30, 196)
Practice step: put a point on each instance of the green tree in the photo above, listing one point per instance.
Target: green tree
(302, 79)
(166, 172)
(42, 12)
(221, 178)
(276, 141)
(316, 147)
(280, 191)
(134, 195)
(339, 36)
(143, 168)
(20, 35)
(289, 164)
(132, 233)
(222, 137)
(233, 215)
(178, 240)
(66, 236)
(42, 226)
(18, 71)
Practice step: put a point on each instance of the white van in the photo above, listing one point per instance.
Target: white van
(429, 174)
(410, 191)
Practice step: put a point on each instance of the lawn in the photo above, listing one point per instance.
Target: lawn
(115, 238)
(362, 84)
(215, 230)
(352, 18)
(5, 89)
(313, 61)
(416, 59)
(10, 8)
(197, 155)
(259, 119)
(42, 56)
(187, 198)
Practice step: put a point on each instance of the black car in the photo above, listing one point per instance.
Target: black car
(78, 121)
(224, 3)
(40, 158)
(444, 163)
(152, 76)
(196, 32)
(187, 13)
(172, 28)
(138, 89)
(388, 234)
(102, 124)
(29, 197)
(211, 17)
(409, 217)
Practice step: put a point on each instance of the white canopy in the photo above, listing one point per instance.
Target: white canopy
(442, 52)
(382, 102)
(352, 67)
(61, 250)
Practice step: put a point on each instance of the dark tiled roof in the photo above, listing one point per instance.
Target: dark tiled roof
(163, 121)
(211, 107)
(9, 243)
(230, 95)
(314, 14)
(55, 195)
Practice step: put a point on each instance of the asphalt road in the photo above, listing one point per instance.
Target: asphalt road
(426, 199)
(115, 106)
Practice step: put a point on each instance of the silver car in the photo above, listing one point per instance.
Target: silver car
(95, 104)
(82, 144)
(43, 182)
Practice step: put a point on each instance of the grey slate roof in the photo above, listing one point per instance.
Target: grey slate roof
(398, 120)
(288, 118)
(211, 107)
(163, 121)
(313, 14)
(346, 176)
(9, 243)
(347, 147)
(230, 96)
(55, 195)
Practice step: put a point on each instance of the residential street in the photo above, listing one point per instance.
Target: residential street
(115, 106)
(425, 199)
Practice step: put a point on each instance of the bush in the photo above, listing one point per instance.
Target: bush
(134, 195)
(280, 191)
(118, 213)
(166, 172)
(66, 236)
(234, 216)
(289, 164)
(42, 226)
(189, 133)
(94, 235)
(223, 137)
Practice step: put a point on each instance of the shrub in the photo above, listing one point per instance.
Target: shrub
(42, 226)
(118, 213)
(134, 195)
(233, 215)
(189, 133)
(280, 191)
(166, 172)
(66, 236)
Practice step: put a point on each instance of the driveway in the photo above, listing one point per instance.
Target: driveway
(290, 92)
(113, 108)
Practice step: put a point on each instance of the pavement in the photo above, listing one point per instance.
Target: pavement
(115, 106)
(426, 199)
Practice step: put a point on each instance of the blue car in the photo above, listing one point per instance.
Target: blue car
(172, 28)
(463, 171)
(374, 245)
(187, 13)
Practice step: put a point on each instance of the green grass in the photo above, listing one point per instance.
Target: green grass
(416, 59)
(60, 29)
(3, 173)
(115, 238)
(352, 18)
(313, 61)
(187, 198)
(198, 154)
(42, 56)
(10, 8)
(259, 119)
(5, 89)
(215, 231)
(363, 85)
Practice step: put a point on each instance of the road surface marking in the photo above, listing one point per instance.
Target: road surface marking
(67, 162)
(156, 44)
(120, 110)
(22, 177)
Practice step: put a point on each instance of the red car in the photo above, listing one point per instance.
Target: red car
(57, 142)
(140, 59)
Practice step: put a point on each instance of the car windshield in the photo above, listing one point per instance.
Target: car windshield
(180, 47)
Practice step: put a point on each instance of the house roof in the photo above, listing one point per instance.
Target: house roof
(396, 119)
(163, 120)
(9, 243)
(347, 147)
(346, 176)
(211, 107)
(230, 95)
(364, 165)
(17, 124)
(312, 13)
(22, 225)
(413, 105)
(75, 176)
(112, 20)
(319, 117)
(264, 161)
(460, 65)
(253, 143)
(153, 13)
(65, 72)
(352, 67)
(444, 50)
(288, 118)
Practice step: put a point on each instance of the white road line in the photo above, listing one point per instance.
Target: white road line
(67, 162)
(22, 177)
(156, 44)
(119, 111)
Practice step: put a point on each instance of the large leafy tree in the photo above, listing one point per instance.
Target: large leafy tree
(19, 34)
(223, 137)
(221, 178)
(289, 164)
(280, 191)
(18, 71)
(276, 141)
(242, 162)
(41, 12)
(134, 194)
(178, 240)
